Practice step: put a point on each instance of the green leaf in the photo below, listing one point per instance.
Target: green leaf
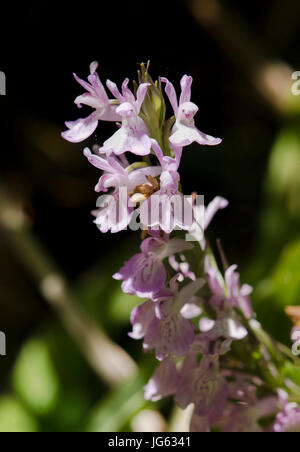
(284, 167)
(292, 372)
(35, 379)
(14, 417)
(286, 276)
(280, 289)
(280, 215)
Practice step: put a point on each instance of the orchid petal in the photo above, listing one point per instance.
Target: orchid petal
(171, 93)
(127, 94)
(190, 290)
(164, 382)
(185, 83)
(114, 90)
(141, 94)
(80, 129)
(210, 211)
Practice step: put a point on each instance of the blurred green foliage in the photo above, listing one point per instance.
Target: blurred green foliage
(275, 268)
(14, 417)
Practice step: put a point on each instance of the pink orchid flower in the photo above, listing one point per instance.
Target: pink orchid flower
(184, 131)
(115, 211)
(133, 136)
(145, 274)
(161, 323)
(95, 97)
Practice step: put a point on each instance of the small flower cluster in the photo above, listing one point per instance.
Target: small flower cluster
(139, 133)
(197, 321)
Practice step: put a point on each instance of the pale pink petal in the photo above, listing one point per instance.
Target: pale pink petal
(246, 290)
(185, 135)
(212, 208)
(177, 246)
(84, 84)
(206, 324)
(96, 161)
(191, 289)
(114, 90)
(159, 153)
(126, 271)
(164, 382)
(186, 83)
(140, 319)
(213, 279)
(150, 279)
(88, 99)
(140, 95)
(81, 129)
(138, 177)
(128, 140)
(127, 94)
(171, 93)
(178, 154)
(169, 334)
(93, 67)
(229, 277)
(113, 215)
(190, 311)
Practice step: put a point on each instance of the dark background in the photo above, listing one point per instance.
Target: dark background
(223, 45)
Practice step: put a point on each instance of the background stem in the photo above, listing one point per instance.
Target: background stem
(110, 362)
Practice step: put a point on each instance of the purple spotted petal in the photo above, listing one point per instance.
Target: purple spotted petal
(143, 275)
(140, 319)
(202, 385)
(170, 333)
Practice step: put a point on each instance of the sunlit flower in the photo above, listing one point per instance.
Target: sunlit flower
(95, 97)
(162, 324)
(133, 135)
(203, 385)
(145, 274)
(164, 382)
(184, 131)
